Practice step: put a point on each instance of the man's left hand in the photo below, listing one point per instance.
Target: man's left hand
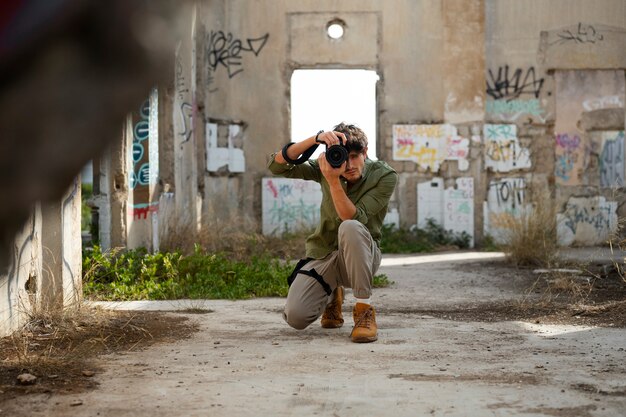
(330, 173)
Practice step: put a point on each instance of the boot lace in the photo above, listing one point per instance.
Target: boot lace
(365, 320)
(333, 311)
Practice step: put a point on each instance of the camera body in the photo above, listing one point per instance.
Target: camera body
(336, 155)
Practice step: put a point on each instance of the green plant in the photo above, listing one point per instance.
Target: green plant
(136, 274)
(85, 209)
(489, 244)
(432, 237)
(381, 281)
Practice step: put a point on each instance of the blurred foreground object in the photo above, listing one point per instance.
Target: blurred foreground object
(70, 71)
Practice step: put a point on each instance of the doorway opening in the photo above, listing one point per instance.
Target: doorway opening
(322, 98)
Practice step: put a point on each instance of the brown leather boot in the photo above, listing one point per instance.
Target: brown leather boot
(365, 329)
(332, 317)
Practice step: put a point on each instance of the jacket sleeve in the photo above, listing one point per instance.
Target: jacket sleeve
(377, 198)
(307, 171)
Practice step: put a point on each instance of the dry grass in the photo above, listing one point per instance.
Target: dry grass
(53, 338)
(531, 238)
(231, 234)
(554, 286)
(617, 242)
(60, 347)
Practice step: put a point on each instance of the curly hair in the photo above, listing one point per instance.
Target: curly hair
(357, 140)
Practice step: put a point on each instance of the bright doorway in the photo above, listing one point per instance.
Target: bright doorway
(322, 98)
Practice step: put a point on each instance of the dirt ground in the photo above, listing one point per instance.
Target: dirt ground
(456, 338)
(63, 352)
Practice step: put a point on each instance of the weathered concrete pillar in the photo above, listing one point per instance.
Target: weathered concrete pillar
(144, 173)
(61, 285)
(20, 283)
(186, 121)
(111, 194)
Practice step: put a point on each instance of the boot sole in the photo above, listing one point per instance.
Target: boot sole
(364, 339)
(331, 325)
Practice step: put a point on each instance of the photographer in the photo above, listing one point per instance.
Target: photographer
(344, 249)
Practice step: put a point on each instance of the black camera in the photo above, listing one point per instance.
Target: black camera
(336, 155)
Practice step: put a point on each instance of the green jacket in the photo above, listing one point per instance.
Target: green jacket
(370, 195)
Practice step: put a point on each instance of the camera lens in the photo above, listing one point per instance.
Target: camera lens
(336, 155)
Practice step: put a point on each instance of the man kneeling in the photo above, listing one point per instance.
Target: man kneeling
(344, 249)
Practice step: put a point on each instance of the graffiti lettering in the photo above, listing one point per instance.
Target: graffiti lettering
(603, 103)
(430, 145)
(502, 150)
(500, 131)
(587, 220)
(509, 193)
(141, 131)
(506, 152)
(225, 50)
(598, 217)
(584, 34)
(569, 155)
(140, 211)
(564, 166)
(505, 203)
(293, 213)
(185, 115)
(514, 85)
(181, 87)
(289, 205)
(517, 107)
(566, 142)
(612, 161)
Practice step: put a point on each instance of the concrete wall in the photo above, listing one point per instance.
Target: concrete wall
(45, 270)
(61, 283)
(20, 283)
(492, 91)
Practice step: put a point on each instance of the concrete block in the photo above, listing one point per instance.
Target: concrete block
(602, 119)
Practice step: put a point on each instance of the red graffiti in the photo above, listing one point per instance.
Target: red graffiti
(142, 213)
(272, 188)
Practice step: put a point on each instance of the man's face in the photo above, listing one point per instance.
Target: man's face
(355, 165)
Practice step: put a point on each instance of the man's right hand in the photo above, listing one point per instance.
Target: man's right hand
(331, 138)
(325, 138)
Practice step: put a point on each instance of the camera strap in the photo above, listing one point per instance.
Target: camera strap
(303, 158)
(306, 155)
(312, 273)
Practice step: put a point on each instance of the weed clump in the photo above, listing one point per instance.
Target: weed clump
(531, 236)
(139, 275)
(431, 238)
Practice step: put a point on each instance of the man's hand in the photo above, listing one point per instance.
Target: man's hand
(329, 139)
(331, 174)
(332, 138)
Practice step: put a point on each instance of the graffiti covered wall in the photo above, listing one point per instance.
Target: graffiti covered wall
(290, 205)
(587, 221)
(429, 145)
(612, 160)
(578, 91)
(505, 203)
(503, 152)
(452, 207)
(144, 174)
(514, 93)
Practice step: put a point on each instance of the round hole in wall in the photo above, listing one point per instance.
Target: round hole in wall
(335, 29)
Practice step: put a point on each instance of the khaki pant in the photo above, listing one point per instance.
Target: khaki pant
(353, 265)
